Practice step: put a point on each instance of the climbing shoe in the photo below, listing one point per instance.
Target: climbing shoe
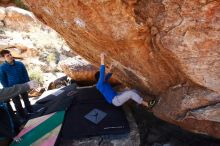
(151, 103)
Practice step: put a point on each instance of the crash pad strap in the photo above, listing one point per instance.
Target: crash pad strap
(41, 130)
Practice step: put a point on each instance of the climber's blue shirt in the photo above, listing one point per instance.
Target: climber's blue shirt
(103, 85)
(11, 74)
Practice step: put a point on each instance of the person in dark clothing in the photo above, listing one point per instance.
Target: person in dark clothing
(111, 95)
(13, 72)
(8, 126)
(15, 90)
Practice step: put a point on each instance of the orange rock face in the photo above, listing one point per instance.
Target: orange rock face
(169, 49)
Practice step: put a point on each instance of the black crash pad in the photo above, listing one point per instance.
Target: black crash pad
(90, 115)
(58, 101)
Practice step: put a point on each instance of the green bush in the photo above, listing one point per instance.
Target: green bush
(51, 57)
(36, 74)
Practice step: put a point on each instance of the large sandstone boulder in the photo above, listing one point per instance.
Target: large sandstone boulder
(169, 49)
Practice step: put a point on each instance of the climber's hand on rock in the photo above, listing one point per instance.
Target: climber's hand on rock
(103, 54)
(114, 64)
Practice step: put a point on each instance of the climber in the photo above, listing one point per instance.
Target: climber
(110, 94)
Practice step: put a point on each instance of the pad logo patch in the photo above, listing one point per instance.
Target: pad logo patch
(95, 116)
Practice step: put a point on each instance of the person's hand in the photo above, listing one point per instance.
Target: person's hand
(32, 84)
(103, 54)
(112, 66)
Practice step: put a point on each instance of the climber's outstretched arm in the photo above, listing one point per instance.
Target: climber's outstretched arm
(102, 56)
(102, 69)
